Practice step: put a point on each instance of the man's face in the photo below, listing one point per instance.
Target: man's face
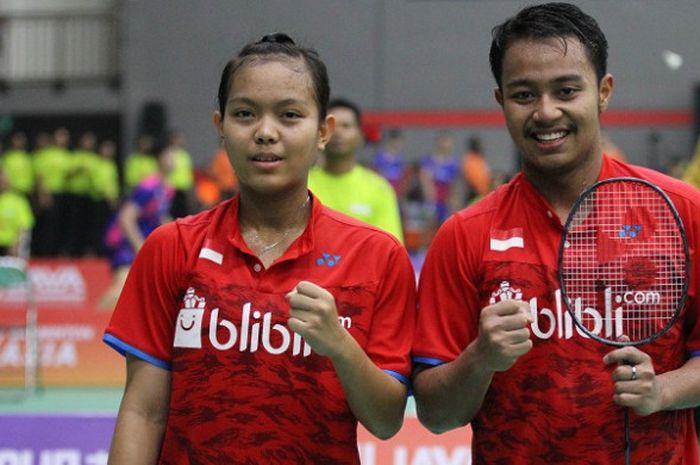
(552, 103)
(347, 138)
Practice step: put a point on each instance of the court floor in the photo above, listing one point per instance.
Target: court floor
(82, 400)
(64, 400)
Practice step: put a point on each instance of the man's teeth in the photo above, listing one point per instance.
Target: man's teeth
(551, 135)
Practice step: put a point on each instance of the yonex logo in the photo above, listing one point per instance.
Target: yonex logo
(328, 259)
(630, 230)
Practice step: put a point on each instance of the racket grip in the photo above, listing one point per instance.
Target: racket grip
(628, 442)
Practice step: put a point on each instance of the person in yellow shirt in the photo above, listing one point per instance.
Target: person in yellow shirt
(691, 173)
(77, 195)
(104, 194)
(50, 164)
(17, 164)
(140, 164)
(16, 220)
(344, 185)
(182, 177)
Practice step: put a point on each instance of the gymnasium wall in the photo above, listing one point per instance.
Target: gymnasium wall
(387, 55)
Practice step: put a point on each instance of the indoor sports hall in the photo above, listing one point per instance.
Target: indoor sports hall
(103, 79)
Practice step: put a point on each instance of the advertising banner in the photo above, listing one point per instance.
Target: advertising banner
(84, 440)
(55, 439)
(66, 295)
(415, 445)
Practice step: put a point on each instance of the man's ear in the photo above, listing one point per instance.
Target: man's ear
(605, 90)
(498, 95)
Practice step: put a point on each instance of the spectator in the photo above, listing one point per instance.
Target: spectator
(104, 194)
(476, 171)
(76, 222)
(223, 174)
(146, 208)
(389, 161)
(17, 164)
(691, 172)
(439, 173)
(140, 164)
(182, 177)
(16, 220)
(344, 185)
(50, 163)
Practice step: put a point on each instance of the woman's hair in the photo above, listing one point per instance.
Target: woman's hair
(546, 21)
(274, 47)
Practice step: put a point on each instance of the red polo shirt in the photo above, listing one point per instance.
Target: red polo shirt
(554, 406)
(245, 388)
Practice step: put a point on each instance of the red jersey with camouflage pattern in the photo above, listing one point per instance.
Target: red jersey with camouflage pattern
(244, 387)
(555, 405)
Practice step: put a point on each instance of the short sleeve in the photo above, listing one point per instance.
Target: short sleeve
(448, 303)
(143, 321)
(393, 322)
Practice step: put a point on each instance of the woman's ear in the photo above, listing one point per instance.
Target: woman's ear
(218, 124)
(325, 131)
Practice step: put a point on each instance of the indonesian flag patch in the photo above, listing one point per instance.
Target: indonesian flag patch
(502, 240)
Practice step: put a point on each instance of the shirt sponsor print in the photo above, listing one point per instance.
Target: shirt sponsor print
(557, 322)
(256, 330)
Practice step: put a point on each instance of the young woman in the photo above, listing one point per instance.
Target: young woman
(260, 331)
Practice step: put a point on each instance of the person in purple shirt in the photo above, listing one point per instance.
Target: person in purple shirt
(389, 161)
(146, 208)
(438, 173)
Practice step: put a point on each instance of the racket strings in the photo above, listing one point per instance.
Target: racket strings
(624, 261)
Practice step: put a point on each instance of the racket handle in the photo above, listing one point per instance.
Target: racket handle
(628, 442)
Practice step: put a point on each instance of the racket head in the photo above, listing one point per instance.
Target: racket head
(624, 262)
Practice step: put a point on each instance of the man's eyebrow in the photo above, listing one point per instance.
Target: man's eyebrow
(559, 80)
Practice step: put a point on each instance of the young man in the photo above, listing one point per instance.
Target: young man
(489, 348)
(344, 185)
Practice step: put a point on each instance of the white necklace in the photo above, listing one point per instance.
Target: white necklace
(266, 248)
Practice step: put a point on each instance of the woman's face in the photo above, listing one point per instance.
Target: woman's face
(271, 127)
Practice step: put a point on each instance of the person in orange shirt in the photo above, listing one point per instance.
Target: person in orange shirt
(223, 174)
(475, 170)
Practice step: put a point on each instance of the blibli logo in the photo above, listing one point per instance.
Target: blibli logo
(548, 323)
(188, 327)
(255, 332)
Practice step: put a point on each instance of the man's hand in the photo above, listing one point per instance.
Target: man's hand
(635, 381)
(504, 335)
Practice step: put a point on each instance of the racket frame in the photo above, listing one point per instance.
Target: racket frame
(562, 246)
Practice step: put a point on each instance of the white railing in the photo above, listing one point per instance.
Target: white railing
(58, 47)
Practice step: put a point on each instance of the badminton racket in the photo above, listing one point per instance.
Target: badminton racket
(624, 265)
